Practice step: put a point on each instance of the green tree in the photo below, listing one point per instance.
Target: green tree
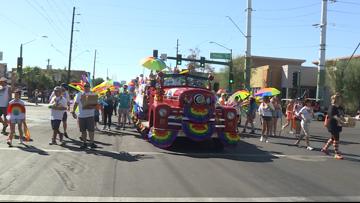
(98, 81)
(343, 77)
(36, 78)
(195, 66)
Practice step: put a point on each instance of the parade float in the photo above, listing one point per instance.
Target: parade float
(182, 104)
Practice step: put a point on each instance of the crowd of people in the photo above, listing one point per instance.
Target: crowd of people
(298, 114)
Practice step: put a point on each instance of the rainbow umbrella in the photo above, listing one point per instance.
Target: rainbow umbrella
(242, 94)
(267, 92)
(154, 64)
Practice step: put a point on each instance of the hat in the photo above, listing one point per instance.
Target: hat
(17, 90)
(57, 89)
(3, 79)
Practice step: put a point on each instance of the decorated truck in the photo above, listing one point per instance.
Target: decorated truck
(176, 105)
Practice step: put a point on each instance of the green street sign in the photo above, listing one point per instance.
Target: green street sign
(220, 56)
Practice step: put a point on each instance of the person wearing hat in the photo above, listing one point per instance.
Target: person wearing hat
(16, 116)
(65, 94)
(5, 96)
(86, 116)
(58, 106)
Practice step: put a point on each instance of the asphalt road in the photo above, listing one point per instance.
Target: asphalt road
(126, 168)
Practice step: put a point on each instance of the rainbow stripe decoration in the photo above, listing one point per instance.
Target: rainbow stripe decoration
(162, 138)
(198, 131)
(229, 138)
(16, 109)
(200, 114)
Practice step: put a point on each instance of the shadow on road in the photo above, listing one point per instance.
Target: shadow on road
(32, 149)
(212, 149)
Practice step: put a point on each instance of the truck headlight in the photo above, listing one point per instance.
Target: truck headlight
(163, 113)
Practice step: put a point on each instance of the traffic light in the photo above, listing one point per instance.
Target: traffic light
(295, 79)
(202, 62)
(178, 59)
(19, 64)
(155, 53)
(231, 78)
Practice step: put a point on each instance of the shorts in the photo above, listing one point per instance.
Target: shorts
(87, 124)
(55, 124)
(3, 111)
(123, 111)
(65, 116)
(277, 114)
(16, 121)
(267, 118)
(289, 115)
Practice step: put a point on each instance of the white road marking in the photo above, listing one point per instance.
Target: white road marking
(25, 198)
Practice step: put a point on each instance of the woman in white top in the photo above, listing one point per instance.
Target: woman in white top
(306, 114)
(266, 111)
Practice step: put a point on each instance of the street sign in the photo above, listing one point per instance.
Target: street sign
(220, 56)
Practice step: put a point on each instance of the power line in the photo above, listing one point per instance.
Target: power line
(290, 17)
(288, 9)
(348, 2)
(343, 12)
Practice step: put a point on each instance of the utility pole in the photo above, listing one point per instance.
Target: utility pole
(321, 67)
(94, 68)
(177, 51)
(248, 46)
(71, 44)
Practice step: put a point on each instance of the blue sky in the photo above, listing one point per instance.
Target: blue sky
(124, 32)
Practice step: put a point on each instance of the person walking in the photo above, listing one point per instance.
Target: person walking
(334, 125)
(124, 99)
(58, 106)
(108, 109)
(266, 111)
(251, 115)
(296, 117)
(16, 116)
(307, 114)
(277, 114)
(85, 117)
(289, 116)
(5, 96)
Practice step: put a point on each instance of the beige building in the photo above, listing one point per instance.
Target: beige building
(280, 73)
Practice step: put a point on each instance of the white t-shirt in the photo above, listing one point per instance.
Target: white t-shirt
(84, 113)
(266, 110)
(65, 95)
(59, 102)
(4, 96)
(306, 113)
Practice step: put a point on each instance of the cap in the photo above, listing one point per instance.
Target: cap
(3, 79)
(57, 88)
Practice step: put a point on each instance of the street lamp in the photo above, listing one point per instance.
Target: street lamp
(20, 59)
(231, 75)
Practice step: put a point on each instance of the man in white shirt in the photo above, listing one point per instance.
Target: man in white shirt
(58, 106)
(86, 116)
(66, 95)
(5, 96)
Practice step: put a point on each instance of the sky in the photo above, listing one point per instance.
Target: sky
(123, 32)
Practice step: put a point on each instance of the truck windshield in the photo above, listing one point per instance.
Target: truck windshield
(178, 80)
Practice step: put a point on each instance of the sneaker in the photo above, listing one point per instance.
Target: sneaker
(83, 146)
(93, 146)
(109, 129)
(309, 148)
(261, 139)
(325, 151)
(66, 135)
(53, 142)
(21, 141)
(9, 143)
(338, 157)
(118, 128)
(104, 128)
(266, 141)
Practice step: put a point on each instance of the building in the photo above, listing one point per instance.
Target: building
(3, 70)
(287, 75)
